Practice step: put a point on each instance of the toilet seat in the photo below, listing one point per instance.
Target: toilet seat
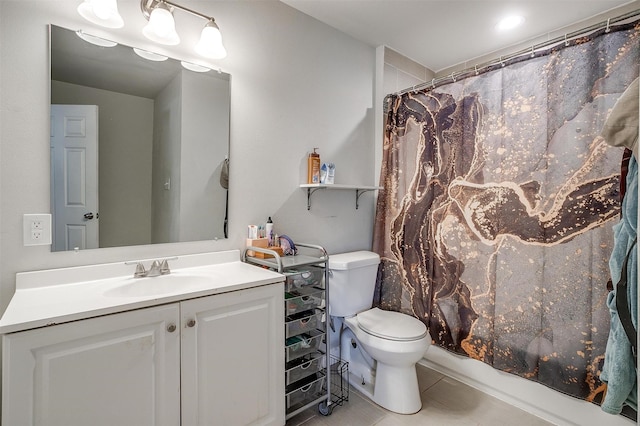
(390, 325)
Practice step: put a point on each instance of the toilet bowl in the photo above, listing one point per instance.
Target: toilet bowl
(394, 380)
(382, 347)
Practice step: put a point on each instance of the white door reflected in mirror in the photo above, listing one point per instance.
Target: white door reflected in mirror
(74, 176)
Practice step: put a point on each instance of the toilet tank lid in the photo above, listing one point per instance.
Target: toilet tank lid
(352, 260)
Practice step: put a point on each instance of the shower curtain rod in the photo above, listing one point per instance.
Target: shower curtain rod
(477, 69)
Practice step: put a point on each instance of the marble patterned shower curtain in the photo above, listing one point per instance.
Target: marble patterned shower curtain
(494, 225)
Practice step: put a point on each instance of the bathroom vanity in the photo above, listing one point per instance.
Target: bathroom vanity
(93, 345)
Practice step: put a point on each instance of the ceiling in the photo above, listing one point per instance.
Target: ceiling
(443, 33)
(116, 69)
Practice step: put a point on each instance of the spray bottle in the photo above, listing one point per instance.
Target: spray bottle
(269, 231)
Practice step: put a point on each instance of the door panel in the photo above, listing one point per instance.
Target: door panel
(74, 168)
(120, 369)
(233, 358)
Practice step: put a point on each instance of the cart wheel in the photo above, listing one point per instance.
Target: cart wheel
(325, 409)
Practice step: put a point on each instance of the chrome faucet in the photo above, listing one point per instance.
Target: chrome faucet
(158, 267)
(164, 266)
(154, 271)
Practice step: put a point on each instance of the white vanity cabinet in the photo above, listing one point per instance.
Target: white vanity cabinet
(214, 360)
(119, 369)
(232, 351)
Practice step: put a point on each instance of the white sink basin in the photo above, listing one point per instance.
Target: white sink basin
(160, 285)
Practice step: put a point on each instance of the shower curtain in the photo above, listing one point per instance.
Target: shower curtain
(494, 224)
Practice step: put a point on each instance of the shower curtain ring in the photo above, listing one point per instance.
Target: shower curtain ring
(453, 78)
(608, 28)
(476, 68)
(433, 83)
(566, 42)
(533, 53)
(501, 63)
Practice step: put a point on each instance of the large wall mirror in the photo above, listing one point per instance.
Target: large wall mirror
(139, 147)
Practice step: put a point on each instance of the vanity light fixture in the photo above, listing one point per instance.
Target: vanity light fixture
(150, 56)
(98, 41)
(101, 12)
(194, 67)
(210, 44)
(161, 28)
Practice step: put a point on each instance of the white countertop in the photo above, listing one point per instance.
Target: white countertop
(55, 296)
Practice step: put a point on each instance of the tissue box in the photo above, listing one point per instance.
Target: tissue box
(256, 242)
(260, 255)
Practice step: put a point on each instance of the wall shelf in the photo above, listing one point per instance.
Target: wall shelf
(313, 187)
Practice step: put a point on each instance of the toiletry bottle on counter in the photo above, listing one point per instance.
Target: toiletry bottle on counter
(313, 167)
(269, 231)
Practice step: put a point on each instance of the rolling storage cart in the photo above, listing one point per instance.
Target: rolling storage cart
(313, 376)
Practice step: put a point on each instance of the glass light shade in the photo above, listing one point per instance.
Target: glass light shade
(98, 41)
(150, 56)
(161, 27)
(210, 44)
(194, 67)
(101, 12)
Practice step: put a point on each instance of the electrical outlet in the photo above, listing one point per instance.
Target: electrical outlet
(36, 229)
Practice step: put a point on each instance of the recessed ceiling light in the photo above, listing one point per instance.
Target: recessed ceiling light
(509, 22)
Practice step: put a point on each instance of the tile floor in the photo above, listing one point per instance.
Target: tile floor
(444, 402)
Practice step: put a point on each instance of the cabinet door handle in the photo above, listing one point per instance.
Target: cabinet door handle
(171, 328)
(191, 323)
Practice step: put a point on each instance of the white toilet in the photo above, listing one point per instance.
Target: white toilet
(382, 347)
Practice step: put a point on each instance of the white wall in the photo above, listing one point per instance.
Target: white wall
(296, 84)
(167, 130)
(205, 132)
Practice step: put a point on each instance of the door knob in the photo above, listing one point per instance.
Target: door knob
(191, 323)
(89, 215)
(171, 328)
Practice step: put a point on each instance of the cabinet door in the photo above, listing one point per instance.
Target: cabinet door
(233, 358)
(120, 369)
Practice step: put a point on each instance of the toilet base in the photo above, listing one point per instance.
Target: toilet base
(396, 389)
(391, 387)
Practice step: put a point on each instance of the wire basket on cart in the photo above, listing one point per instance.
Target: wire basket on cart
(339, 371)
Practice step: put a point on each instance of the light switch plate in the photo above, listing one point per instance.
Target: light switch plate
(36, 229)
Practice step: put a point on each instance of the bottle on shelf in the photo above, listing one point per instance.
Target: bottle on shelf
(313, 167)
(269, 231)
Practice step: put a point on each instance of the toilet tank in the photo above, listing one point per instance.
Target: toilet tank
(352, 281)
